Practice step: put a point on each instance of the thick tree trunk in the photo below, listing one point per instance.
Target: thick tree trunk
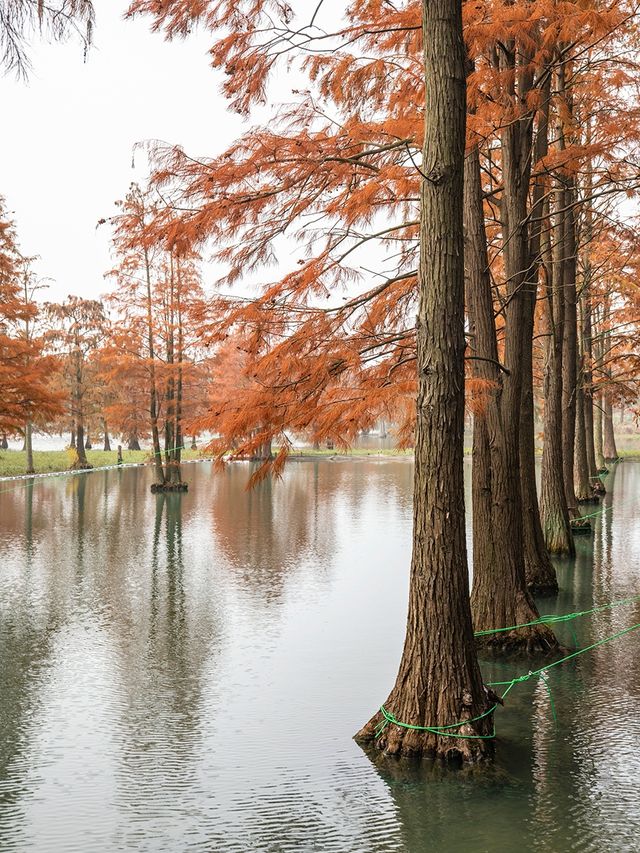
(134, 442)
(439, 681)
(87, 443)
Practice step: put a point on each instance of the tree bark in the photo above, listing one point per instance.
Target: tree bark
(500, 595)
(153, 391)
(105, 431)
(598, 433)
(439, 681)
(610, 449)
(28, 446)
(587, 331)
(553, 501)
(78, 398)
(570, 350)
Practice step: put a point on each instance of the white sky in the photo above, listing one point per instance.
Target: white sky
(69, 131)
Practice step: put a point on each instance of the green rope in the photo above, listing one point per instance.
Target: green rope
(445, 731)
(437, 730)
(552, 619)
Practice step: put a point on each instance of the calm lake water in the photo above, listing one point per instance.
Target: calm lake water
(185, 673)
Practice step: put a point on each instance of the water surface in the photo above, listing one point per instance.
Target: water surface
(185, 673)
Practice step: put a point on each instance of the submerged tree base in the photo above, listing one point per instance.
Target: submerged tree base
(593, 499)
(543, 585)
(169, 487)
(581, 527)
(532, 640)
(81, 466)
(473, 743)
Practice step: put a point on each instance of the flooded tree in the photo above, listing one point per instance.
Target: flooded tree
(439, 682)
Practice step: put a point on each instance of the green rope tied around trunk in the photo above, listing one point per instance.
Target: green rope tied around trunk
(445, 731)
(552, 618)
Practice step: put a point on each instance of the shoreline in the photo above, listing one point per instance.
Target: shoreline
(58, 462)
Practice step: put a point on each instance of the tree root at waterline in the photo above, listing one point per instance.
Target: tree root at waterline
(468, 737)
(530, 640)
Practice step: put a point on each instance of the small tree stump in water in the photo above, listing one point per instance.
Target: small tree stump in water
(169, 487)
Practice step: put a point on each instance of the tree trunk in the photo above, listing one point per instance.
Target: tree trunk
(587, 331)
(153, 392)
(583, 489)
(553, 501)
(439, 681)
(82, 461)
(598, 433)
(540, 573)
(107, 443)
(610, 449)
(78, 393)
(569, 351)
(133, 443)
(28, 446)
(500, 596)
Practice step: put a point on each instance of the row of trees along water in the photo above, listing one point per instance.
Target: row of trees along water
(365, 195)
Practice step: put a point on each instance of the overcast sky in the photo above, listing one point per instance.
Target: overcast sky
(69, 131)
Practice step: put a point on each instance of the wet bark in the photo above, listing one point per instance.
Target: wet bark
(439, 681)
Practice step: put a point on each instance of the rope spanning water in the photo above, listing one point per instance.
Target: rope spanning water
(445, 731)
(553, 618)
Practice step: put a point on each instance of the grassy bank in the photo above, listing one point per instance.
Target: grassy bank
(14, 462)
